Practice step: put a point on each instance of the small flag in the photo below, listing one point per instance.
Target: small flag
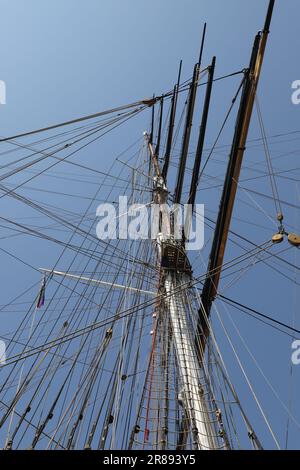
(41, 297)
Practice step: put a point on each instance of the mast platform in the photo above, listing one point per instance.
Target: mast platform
(174, 258)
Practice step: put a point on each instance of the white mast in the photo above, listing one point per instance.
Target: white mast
(192, 398)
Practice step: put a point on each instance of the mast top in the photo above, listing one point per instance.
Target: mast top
(202, 44)
(268, 16)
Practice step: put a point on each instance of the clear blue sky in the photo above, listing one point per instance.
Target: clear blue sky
(62, 59)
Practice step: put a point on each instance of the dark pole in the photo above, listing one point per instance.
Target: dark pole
(217, 246)
(171, 125)
(202, 44)
(215, 264)
(152, 123)
(188, 123)
(269, 16)
(186, 135)
(157, 148)
(202, 131)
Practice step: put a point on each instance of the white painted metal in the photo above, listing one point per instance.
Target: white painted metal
(193, 398)
(97, 281)
(194, 403)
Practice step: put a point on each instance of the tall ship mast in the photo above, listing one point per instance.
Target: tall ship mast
(121, 343)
